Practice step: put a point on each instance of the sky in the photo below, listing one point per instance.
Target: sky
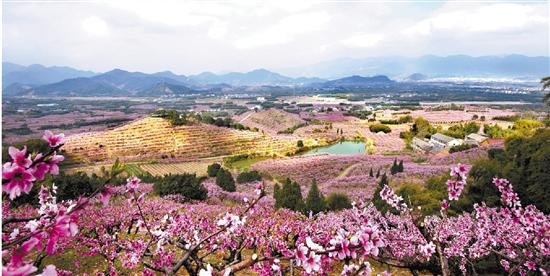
(188, 37)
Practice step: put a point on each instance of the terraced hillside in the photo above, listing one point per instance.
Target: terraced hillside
(270, 120)
(155, 138)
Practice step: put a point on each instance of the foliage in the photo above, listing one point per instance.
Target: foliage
(379, 127)
(225, 180)
(176, 118)
(300, 144)
(249, 176)
(405, 119)
(396, 167)
(421, 128)
(462, 147)
(507, 118)
(389, 122)
(526, 127)
(291, 129)
(495, 131)
(338, 201)
(361, 114)
(187, 185)
(461, 131)
(524, 162)
(290, 196)
(213, 169)
(315, 201)
(521, 127)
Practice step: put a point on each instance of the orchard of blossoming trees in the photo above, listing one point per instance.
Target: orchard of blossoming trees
(135, 232)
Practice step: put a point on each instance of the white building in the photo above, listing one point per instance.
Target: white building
(475, 139)
(444, 141)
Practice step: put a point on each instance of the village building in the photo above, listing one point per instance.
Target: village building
(476, 139)
(421, 145)
(444, 141)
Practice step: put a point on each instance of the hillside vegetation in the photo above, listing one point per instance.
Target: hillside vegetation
(155, 138)
(271, 120)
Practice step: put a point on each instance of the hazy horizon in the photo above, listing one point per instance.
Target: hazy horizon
(191, 37)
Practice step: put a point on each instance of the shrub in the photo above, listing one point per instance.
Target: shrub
(249, 177)
(72, 186)
(188, 185)
(213, 169)
(389, 122)
(300, 143)
(338, 201)
(379, 127)
(225, 180)
(405, 119)
(462, 147)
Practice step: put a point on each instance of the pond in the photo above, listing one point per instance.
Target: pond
(346, 147)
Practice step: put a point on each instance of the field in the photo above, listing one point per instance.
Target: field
(194, 167)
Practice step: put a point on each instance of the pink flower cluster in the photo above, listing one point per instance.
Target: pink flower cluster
(388, 195)
(506, 192)
(456, 186)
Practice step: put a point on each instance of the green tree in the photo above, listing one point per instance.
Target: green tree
(249, 177)
(213, 169)
(315, 201)
(422, 128)
(405, 119)
(300, 143)
(338, 201)
(379, 128)
(384, 180)
(290, 196)
(188, 185)
(277, 195)
(400, 167)
(394, 167)
(225, 180)
(524, 162)
(545, 85)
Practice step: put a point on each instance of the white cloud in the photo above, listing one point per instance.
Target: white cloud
(486, 18)
(285, 30)
(95, 26)
(190, 36)
(362, 40)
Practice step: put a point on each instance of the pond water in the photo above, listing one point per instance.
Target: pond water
(346, 147)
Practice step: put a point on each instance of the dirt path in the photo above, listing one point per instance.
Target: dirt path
(345, 172)
(245, 117)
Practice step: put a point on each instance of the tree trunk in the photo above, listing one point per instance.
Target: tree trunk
(442, 261)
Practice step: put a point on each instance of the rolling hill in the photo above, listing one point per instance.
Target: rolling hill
(155, 138)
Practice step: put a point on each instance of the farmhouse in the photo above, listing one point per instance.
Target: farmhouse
(444, 141)
(476, 139)
(421, 145)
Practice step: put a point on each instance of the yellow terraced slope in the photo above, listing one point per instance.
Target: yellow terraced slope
(155, 138)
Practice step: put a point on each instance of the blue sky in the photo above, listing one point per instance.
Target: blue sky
(224, 35)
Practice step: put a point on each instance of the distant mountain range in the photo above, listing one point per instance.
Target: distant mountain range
(343, 73)
(516, 66)
(252, 78)
(37, 74)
